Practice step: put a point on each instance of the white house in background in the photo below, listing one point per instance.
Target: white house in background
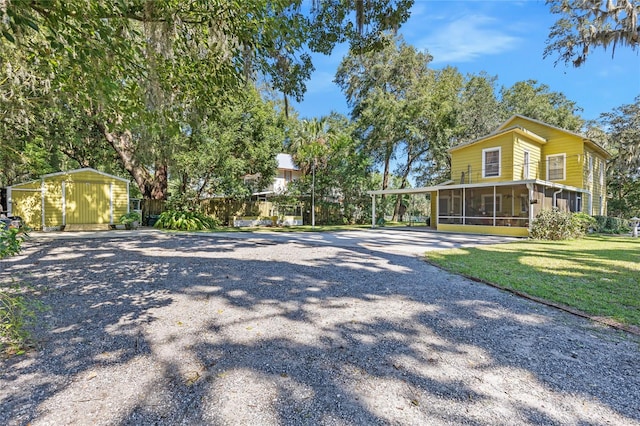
(287, 172)
(277, 215)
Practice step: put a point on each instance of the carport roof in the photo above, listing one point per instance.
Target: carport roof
(450, 185)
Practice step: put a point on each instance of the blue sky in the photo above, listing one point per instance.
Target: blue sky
(502, 37)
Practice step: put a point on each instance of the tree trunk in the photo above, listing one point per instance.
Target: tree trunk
(154, 188)
(403, 183)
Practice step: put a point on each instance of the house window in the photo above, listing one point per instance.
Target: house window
(556, 167)
(590, 176)
(491, 162)
(487, 204)
(602, 174)
(525, 165)
(288, 175)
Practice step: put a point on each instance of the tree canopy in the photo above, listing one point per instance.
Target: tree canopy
(588, 24)
(130, 76)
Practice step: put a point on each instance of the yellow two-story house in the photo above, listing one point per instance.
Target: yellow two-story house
(500, 182)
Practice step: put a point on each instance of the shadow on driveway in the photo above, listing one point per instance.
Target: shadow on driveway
(298, 329)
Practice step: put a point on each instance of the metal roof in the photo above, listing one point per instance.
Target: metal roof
(285, 161)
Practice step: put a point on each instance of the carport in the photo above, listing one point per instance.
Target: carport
(431, 190)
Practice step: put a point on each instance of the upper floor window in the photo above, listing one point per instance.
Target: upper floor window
(601, 173)
(525, 165)
(590, 175)
(491, 162)
(556, 167)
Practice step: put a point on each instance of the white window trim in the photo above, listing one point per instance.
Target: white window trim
(526, 158)
(484, 168)
(602, 166)
(590, 175)
(564, 166)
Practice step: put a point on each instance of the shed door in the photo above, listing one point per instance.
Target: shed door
(87, 203)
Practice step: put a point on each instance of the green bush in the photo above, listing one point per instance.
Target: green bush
(185, 221)
(585, 222)
(557, 225)
(16, 310)
(611, 225)
(10, 241)
(17, 315)
(128, 219)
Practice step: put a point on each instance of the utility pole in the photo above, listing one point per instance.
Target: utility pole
(313, 194)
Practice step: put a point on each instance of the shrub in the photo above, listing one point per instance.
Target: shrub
(557, 225)
(611, 225)
(10, 241)
(17, 314)
(129, 219)
(585, 222)
(16, 311)
(185, 221)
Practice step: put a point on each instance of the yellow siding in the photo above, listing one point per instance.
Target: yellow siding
(120, 199)
(593, 182)
(572, 148)
(434, 208)
(470, 158)
(77, 197)
(558, 142)
(520, 146)
(52, 203)
(27, 203)
(548, 133)
(488, 230)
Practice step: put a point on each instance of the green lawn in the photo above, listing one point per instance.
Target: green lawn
(598, 275)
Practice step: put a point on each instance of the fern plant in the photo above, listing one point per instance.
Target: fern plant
(185, 221)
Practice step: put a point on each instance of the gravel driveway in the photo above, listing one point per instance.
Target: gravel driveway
(309, 329)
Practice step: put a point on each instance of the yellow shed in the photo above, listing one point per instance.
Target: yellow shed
(76, 197)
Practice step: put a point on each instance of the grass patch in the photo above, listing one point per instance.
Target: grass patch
(598, 275)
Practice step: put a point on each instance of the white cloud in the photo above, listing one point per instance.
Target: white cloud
(467, 39)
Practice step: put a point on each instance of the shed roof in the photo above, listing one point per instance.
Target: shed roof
(68, 172)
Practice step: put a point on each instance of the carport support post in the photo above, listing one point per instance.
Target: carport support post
(373, 210)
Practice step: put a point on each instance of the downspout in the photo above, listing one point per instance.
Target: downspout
(555, 199)
(530, 188)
